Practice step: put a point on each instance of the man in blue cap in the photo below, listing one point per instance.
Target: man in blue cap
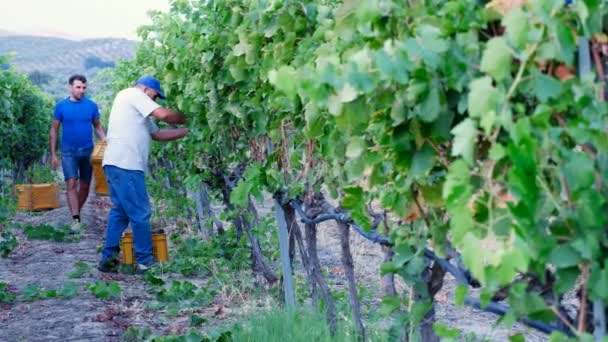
(125, 162)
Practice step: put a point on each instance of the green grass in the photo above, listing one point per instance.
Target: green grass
(49, 232)
(276, 325)
(302, 325)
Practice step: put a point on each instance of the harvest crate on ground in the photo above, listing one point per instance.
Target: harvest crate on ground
(37, 196)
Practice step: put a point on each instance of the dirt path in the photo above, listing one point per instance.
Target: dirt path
(87, 318)
(82, 318)
(368, 258)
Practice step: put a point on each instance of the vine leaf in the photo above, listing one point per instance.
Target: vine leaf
(516, 23)
(546, 87)
(465, 134)
(496, 59)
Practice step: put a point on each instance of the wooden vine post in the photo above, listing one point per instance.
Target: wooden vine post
(288, 285)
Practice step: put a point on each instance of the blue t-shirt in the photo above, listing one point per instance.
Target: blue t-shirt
(77, 119)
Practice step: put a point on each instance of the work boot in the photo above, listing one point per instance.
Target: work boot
(76, 226)
(143, 268)
(108, 265)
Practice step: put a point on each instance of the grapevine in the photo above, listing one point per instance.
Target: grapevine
(433, 127)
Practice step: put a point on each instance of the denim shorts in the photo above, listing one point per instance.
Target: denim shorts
(76, 163)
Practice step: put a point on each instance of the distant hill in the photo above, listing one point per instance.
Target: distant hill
(47, 53)
(58, 58)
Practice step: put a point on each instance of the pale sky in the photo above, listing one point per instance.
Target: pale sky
(78, 19)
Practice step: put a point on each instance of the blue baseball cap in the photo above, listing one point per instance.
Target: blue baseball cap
(152, 83)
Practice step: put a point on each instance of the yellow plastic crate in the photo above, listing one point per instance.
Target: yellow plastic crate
(160, 249)
(37, 196)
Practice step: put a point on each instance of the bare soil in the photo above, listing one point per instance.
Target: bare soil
(87, 318)
(368, 257)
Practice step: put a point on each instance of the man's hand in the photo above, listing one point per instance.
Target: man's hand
(54, 162)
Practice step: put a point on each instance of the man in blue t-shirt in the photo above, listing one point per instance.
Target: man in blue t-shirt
(79, 115)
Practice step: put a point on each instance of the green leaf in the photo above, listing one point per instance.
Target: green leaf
(566, 42)
(347, 94)
(497, 152)
(285, 79)
(496, 59)
(431, 38)
(460, 294)
(465, 136)
(473, 258)
(507, 320)
(241, 48)
(334, 105)
(49, 294)
(517, 338)
(395, 201)
(82, 268)
(430, 108)
(487, 122)
(355, 147)
(566, 279)
(152, 280)
(546, 87)
(589, 204)
(446, 333)
(314, 121)
(587, 246)
(5, 296)
(388, 268)
(196, 320)
(564, 256)
(69, 290)
(240, 194)
(237, 72)
(483, 97)
(419, 310)
(415, 266)
(356, 116)
(353, 197)
(403, 254)
(579, 171)
(598, 282)
(423, 161)
(398, 111)
(389, 304)
(391, 67)
(516, 23)
(31, 292)
(103, 290)
(587, 337)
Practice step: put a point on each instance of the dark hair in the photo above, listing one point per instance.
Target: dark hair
(80, 78)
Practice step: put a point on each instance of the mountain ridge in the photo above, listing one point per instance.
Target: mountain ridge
(50, 61)
(60, 54)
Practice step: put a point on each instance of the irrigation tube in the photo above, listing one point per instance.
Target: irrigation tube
(501, 310)
(492, 307)
(456, 272)
(342, 217)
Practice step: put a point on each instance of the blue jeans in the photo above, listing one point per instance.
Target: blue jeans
(131, 204)
(76, 163)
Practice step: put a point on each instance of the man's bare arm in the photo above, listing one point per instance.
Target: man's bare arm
(53, 142)
(99, 130)
(169, 116)
(170, 134)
